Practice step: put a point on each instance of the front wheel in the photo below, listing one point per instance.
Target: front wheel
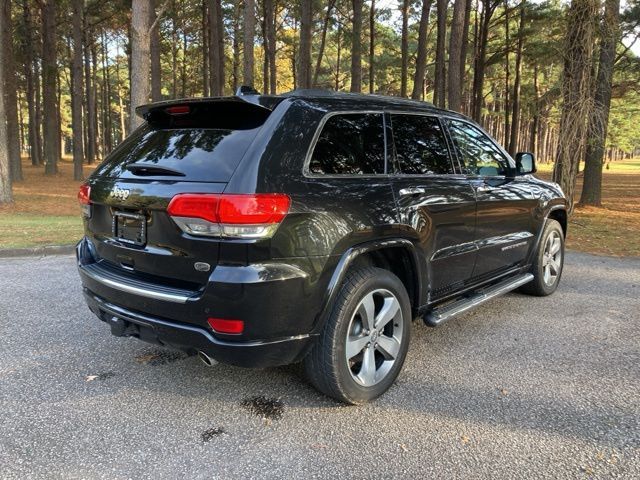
(548, 261)
(363, 345)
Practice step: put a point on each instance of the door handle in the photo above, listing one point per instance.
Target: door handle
(412, 191)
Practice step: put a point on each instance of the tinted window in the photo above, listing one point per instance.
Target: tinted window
(201, 154)
(420, 145)
(350, 144)
(478, 153)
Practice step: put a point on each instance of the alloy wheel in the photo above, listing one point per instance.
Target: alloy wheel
(552, 258)
(374, 337)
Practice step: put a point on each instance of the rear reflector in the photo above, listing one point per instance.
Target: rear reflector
(238, 216)
(223, 325)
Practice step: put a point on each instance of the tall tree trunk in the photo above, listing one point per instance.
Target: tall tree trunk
(599, 118)
(106, 79)
(421, 58)
(11, 97)
(6, 194)
(336, 78)
(236, 45)
(304, 52)
(455, 53)
(356, 47)
(216, 48)
(480, 60)
(49, 75)
(90, 96)
(578, 51)
(535, 121)
(96, 85)
(76, 100)
(507, 43)
(121, 108)
(205, 49)
(38, 109)
(183, 67)
(271, 38)
(463, 55)
(154, 46)
(174, 51)
(440, 77)
(249, 33)
(34, 137)
(372, 45)
(294, 54)
(59, 148)
(265, 50)
(140, 58)
(323, 41)
(515, 119)
(221, 54)
(404, 48)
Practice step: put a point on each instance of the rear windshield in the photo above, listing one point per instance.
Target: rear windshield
(187, 154)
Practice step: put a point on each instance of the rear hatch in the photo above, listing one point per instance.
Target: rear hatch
(184, 147)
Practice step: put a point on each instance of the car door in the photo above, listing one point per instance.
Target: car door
(434, 203)
(505, 204)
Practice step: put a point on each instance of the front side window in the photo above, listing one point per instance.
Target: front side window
(478, 154)
(350, 144)
(420, 146)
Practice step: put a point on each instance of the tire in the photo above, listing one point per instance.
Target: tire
(351, 361)
(548, 262)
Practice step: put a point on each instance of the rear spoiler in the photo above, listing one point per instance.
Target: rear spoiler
(257, 102)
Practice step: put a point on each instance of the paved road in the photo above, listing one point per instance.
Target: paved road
(539, 387)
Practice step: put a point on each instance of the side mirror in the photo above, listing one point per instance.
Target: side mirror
(525, 163)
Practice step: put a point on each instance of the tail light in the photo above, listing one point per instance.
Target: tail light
(84, 195)
(231, 216)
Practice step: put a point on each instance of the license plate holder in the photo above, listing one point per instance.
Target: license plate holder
(130, 228)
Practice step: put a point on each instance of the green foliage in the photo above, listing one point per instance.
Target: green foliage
(182, 56)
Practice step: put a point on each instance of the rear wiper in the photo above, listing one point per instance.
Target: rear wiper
(138, 169)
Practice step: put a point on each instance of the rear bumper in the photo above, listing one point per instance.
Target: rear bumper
(279, 302)
(191, 339)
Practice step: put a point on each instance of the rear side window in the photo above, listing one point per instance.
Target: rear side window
(350, 144)
(420, 145)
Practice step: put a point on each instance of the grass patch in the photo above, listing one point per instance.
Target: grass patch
(45, 210)
(605, 231)
(23, 230)
(631, 166)
(613, 229)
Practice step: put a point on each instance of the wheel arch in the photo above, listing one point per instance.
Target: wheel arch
(560, 215)
(556, 212)
(400, 256)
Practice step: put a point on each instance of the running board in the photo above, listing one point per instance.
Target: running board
(440, 314)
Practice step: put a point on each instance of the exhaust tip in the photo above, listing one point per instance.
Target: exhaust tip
(206, 359)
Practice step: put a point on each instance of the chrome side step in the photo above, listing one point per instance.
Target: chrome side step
(440, 314)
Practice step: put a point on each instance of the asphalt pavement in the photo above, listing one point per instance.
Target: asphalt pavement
(520, 387)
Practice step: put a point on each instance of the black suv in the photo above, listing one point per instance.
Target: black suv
(264, 230)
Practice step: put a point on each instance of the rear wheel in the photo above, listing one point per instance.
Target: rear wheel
(548, 262)
(364, 342)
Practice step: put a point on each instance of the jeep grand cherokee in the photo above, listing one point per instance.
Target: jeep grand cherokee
(310, 227)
